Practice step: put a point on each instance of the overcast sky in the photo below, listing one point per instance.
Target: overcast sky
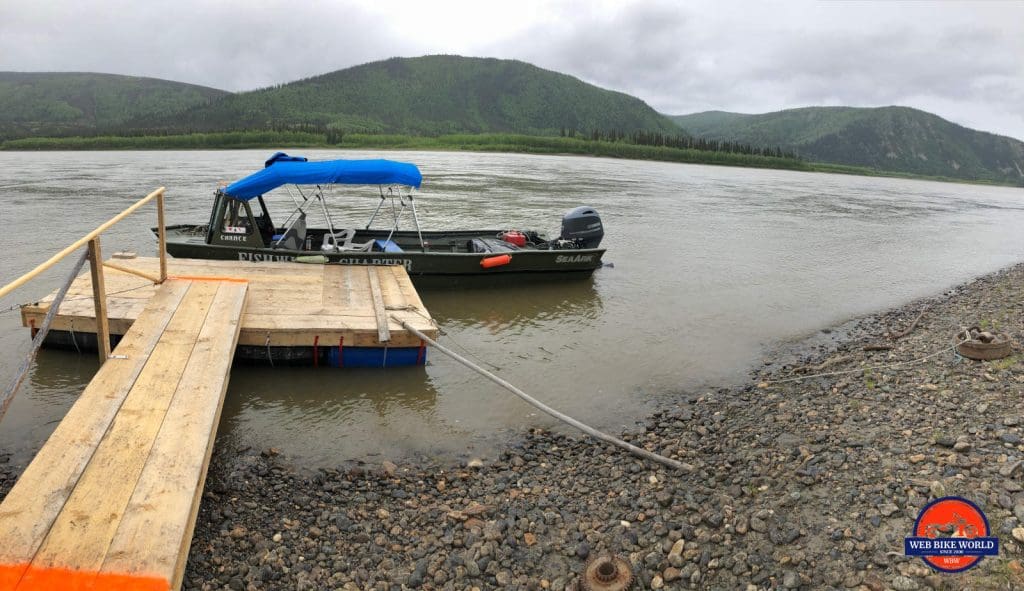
(962, 61)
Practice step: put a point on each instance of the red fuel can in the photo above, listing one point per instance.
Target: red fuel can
(514, 237)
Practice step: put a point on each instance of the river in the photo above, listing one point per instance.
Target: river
(712, 266)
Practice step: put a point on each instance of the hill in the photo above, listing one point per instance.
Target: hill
(892, 139)
(48, 103)
(437, 94)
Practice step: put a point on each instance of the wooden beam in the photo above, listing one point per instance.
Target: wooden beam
(135, 272)
(78, 244)
(161, 236)
(99, 298)
(383, 332)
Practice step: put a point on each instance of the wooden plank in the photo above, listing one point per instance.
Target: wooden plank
(336, 290)
(32, 505)
(99, 298)
(154, 536)
(383, 333)
(81, 533)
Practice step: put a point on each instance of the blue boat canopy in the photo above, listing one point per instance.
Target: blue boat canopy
(282, 169)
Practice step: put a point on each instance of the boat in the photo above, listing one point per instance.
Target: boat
(240, 228)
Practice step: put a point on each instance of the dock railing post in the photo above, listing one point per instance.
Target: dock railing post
(99, 295)
(161, 234)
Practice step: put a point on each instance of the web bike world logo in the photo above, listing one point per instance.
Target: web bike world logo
(951, 534)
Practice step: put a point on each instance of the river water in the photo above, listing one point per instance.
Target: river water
(712, 266)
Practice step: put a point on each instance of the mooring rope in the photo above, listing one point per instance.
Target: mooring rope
(637, 451)
(37, 340)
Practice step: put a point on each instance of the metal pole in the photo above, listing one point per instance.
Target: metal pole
(637, 451)
(416, 220)
(374, 216)
(37, 341)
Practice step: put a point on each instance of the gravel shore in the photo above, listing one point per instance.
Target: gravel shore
(792, 484)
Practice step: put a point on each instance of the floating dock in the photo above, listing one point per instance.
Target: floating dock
(110, 500)
(321, 315)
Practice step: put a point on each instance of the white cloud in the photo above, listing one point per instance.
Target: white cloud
(961, 61)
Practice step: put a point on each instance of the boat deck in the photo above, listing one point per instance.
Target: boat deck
(309, 308)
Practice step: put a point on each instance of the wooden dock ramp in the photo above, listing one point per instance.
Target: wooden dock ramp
(110, 501)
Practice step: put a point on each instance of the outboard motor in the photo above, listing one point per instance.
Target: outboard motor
(582, 226)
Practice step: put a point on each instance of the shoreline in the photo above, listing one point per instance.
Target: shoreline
(795, 484)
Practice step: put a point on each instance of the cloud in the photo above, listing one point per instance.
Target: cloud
(963, 59)
(233, 44)
(758, 57)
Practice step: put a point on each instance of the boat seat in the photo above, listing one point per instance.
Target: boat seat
(342, 241)
(295, 237)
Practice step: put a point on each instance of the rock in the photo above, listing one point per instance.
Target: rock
(657, 582)
(583, 550)
(917, 458)
(418, 574)
(904, 583)
(671, 574)
(790, 580)
(962, 446)
(389, 468)
(887, 509)
(945, 441)
(714, 519)
(1009, 468)
(475, 463)
(664, 498)
(676, 558)
(783, 533)
(529, 539)
(1011, 438)
(1018, 534)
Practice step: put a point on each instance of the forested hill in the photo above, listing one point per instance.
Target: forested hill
(427, 95)
(50, 103)
(894, 139)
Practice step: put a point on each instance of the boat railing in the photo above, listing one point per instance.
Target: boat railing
(96, 264)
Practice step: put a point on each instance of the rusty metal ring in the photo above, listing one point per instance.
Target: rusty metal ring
(606, 572)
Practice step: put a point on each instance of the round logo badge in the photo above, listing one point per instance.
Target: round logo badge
(951, 534)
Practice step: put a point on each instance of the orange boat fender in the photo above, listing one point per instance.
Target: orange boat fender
(498, 261)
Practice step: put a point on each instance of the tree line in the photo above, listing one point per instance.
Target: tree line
(681, 142)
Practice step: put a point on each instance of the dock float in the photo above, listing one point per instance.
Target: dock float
(296, 314)
(109, 502)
